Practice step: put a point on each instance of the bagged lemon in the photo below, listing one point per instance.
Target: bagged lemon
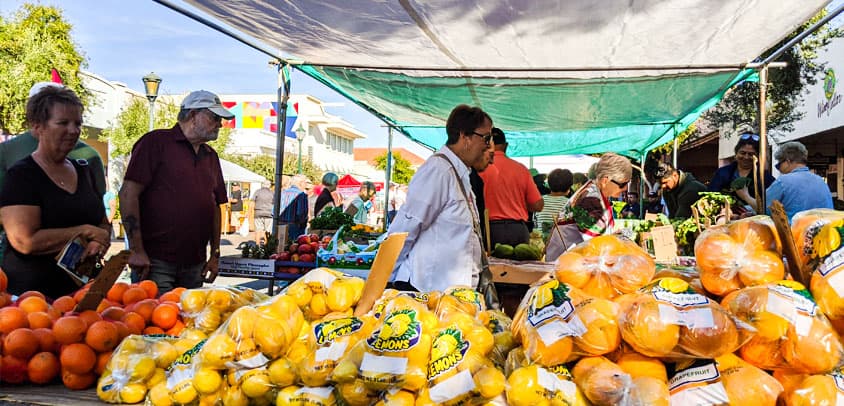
(534, 385)
(827, 260)
(499, 325)
(207, 308)
(667, 318)
(136, 365)
(306, 396)
(329, 340)
(316, 296)
(792, 334)
(461, 299)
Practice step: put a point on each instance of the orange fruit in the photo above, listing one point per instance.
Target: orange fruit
(76, 381)
(599, 317)
(102, 362)
(79, 294)
(21, 343)
(12, 369)
(30, 293)
(170, 297)
(748, 385)
(761, 267)
(176, 329)
(153, 330)
(78, 358)
(32, 304)
(602, 381)
(763, 353)
(12, 318)
(90, 317)
(643, 328)
(43, 368)
(816, 352)
(39, 320)
(134, 295)
(54, 313)
(814, 390)
(573, 269)
(113, 313)
(122, 330)
(46, 340)
(5, 299)
(753, 235)
(69, 329)
(165, 316)
(102, 336)
(711, 342)
(714, 283)
(115, 293)
(145, 308)
(4, 281)
(150, 287)
(64, 304)
(135, 322)
(638, 365)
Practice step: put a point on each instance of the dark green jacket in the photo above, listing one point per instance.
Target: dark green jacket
(681, 198)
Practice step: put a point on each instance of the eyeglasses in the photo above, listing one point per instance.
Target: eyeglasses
(749, 136)
(745, 153)
(486, 137)
(780, 164)
(621, 185)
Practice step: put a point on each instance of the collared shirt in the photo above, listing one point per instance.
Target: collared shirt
(508, 189)
(799, 190)
(442, 248)
(294, 206)
(591, 201)
(182, 189)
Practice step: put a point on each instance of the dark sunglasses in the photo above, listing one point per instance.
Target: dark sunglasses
(487, 138)
(748, 136)
(621, 185)
(779, 165)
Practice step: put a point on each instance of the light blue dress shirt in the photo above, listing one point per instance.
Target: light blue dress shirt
(442, 248)
(799, 190)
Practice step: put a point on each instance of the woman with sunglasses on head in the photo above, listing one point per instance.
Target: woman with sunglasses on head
(590, 207)
(747, 149)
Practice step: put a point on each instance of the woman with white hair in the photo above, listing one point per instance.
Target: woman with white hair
(326, 197)
(590, 208)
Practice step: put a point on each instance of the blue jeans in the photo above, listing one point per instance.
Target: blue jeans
(169, 276)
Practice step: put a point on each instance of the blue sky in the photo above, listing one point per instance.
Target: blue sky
(125, 40)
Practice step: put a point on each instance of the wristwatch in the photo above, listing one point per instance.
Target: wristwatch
(215, 253)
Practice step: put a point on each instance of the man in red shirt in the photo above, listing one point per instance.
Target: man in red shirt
(509, 193)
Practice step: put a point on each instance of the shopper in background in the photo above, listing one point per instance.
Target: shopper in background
(609, 177)
(747, 151)
(359, 207)
(262, 204)
(559, 183)
(293, 207)
(680, 190)
(325, 198)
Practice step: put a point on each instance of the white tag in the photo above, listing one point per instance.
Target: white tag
(839, 399)
(323, 392)
(832, 262)
(318, 275)
(781, 306)
(179, 373)
(836, 282)
(453, 387)
(554, 383)
(802, 324)
(240, 372)
(249, 363)
(703, 373)
(332, 352)
(553, 331)
(714, 394)
(698, 318)
(381, 364)
(668, 314)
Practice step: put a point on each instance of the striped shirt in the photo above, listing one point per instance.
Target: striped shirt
(294, 204)
(551, 212)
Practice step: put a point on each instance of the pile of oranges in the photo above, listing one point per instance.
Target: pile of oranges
(41, 341)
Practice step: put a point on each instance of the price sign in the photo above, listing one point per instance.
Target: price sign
(665, 248)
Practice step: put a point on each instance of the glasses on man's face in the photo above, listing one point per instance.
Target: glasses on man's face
(621, 185)
(749, 136)
(746, 153)
(486, 137)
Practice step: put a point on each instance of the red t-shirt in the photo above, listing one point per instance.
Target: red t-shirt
(182, 189)
(508, 189)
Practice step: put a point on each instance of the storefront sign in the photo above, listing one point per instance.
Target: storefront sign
(833, 98)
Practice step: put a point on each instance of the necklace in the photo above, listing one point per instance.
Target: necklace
(44, 167)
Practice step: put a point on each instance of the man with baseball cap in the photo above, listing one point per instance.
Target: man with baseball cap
(171, 196)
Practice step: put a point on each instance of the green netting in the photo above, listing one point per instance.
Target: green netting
(541, 116)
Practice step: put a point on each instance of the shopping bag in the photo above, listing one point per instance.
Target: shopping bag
(563, 237)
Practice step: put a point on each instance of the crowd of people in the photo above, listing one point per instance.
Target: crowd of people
(53, 190)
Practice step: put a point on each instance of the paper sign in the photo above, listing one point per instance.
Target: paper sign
(651, 216)
(665, 248)
(379, 274)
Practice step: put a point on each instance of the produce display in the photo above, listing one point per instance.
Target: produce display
(606, 328)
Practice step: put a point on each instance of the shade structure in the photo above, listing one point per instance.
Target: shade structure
(559, 76)
(233, 172)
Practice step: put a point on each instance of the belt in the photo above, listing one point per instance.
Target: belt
(507, 221)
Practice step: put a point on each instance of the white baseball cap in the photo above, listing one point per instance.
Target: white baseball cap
(203, 99)
(36, 88)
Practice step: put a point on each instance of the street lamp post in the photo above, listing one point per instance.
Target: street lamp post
(151, 84)
(300, 135)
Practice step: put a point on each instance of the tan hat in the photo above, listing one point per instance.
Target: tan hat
(203, 99)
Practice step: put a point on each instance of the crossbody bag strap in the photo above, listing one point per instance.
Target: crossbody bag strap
(475, 222)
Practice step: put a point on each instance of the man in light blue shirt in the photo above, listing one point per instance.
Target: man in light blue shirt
(797, 188)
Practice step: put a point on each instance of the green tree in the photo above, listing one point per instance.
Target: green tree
(741, 104)
(264, 165)
(33, 40)
(401, 170)
(133, 122)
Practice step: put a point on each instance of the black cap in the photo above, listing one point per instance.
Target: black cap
(498, 137)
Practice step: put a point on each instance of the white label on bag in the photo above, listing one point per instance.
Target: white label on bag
(553, 383)
(713, 394)
(802, 324)
(453, 387)
(249, 363)
(780, 306)
(332, 352)
(691, 318)
(704, 373)
(179, 373)
(836, 282)
(832, 262)
(553, 331)
(381, 364)
(322, 392)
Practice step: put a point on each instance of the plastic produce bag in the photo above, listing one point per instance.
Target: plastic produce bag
(792, 334)
(605, 383)
(533, 385)
(329, 340)
(725, 380)
(499, 325)
(322, 291)
(668, 319)
(817, 390)
(805, 225)
(461, 299)
(136, 365)
(606, 266)
(743, 253)
(207, 308)
(306, 396)
(821, 239)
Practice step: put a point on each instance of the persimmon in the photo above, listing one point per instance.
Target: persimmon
(46, 340)
(76, 381)
(134, 295)
(135, 322)
(64, 304)
(32, 304)
(150, 287)
(39, 320)
(113, 313)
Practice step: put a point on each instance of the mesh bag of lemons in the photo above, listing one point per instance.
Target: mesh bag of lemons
(606, 266)
(818, 236)
(743, 253)
(667, 318)
(725, 380)
(556, 323)
(207, 308)
(136, 365)
(792, 334)
(322, 291)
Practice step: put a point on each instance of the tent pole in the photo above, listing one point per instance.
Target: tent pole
(642, 180)
(388, 175)
(280, 131)
(763, 139)
(674, 152)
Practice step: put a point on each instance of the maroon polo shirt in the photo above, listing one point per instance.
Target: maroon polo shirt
(182, 189)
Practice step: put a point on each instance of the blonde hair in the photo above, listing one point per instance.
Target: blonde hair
(613, 166)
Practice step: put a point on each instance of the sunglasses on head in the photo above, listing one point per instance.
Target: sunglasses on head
(749, 136)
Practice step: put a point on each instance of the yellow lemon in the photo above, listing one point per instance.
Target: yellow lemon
(523, 387)
(218, 299)
(164, 353)
(490, 382)
(193, 300)
(158, 376)
(255, 383)
(246, 349)
(192, 334)
(142, 368)
(207, 381)
(184, 392)
(233, 396)
(285, 396)
(272, 337)
(318, 305)
(241, 323)
(297, 352)
(159, 395)
(675, 285)
(300, 294)
(218, 350)
(208, 320)
(107, 389)
(282, 372)
(133, 393)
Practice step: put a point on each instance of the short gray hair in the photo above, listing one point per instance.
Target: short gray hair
(792, 151)
(613, 166)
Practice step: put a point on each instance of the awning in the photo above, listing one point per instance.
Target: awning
(235, 173)
(559, 76)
